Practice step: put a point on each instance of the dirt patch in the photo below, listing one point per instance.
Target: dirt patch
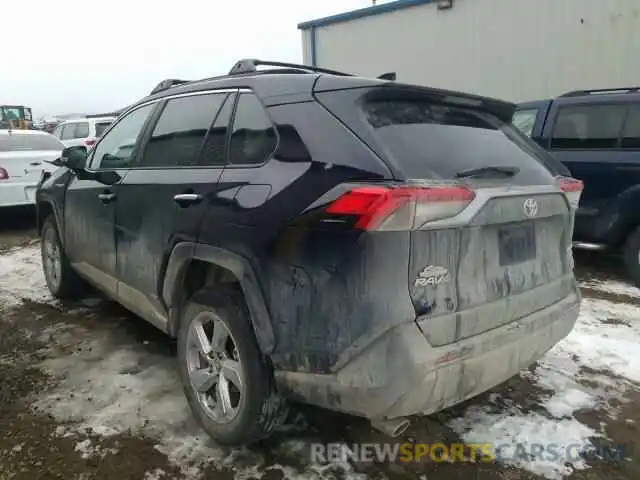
(17, 227)
(594, 293)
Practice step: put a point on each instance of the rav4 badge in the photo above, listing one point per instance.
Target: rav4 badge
(432, 275)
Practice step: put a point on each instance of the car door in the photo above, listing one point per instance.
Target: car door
(161, 200)
(247, 182)
(586, 138)
(89, 213)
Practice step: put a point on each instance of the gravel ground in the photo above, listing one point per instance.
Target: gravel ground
(89, 391)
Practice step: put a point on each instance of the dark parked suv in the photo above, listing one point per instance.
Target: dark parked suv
(359, 244)
(596, 135)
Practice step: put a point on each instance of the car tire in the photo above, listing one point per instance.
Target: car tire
(63, 282)
(258, 409)
(632, 256)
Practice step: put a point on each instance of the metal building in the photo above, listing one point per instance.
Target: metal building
(512, 49)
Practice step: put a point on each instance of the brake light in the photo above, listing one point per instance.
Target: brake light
(4, 175)
(401, 208)
(572, 187)
(90, 143)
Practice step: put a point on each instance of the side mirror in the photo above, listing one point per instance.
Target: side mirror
(74, 158)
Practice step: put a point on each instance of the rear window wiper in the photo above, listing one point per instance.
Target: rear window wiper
(488, 172)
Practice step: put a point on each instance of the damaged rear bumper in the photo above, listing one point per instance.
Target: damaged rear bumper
(401, 374)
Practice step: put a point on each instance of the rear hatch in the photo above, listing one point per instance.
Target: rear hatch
(23, 156)
(491, 219)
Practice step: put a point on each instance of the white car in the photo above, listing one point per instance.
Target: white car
(24, 154)
(82, 131)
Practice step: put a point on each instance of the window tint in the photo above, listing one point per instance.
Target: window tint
(178, 135)
(101, 127)
(631, 133)
(429, 140)
(19, 142)
(524, 120)
(117, 148)
(588, 127)
(253, 138)
(214, 150)
(82, 130)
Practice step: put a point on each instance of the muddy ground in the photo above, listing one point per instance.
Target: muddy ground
(89, 391)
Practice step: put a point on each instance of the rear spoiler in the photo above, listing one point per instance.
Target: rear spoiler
(377, 88)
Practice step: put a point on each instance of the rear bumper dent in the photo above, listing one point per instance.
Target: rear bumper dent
(400, 374)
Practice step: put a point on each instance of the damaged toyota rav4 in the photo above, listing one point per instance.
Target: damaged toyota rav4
(363, 245)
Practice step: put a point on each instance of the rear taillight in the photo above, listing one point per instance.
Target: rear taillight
(401, 208)
(4, 175)
(572, 187)
(90, 143)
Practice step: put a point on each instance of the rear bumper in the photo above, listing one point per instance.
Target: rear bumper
(17, 193)
(400, 374)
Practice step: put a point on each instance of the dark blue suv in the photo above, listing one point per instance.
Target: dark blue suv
(596, 135)
(363, 245)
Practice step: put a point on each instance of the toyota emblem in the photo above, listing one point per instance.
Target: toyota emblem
(530, 207)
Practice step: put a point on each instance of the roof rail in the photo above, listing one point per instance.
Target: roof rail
(600, 91)
(248, 65)
(168, 83)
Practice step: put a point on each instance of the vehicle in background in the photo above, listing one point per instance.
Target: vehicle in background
(16, 117)
(363, 245)
(24, 155)
(82, 131)
(596, 135)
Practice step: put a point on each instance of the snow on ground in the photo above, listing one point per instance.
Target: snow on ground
(605, 341)
(21, 276)
(113, 388)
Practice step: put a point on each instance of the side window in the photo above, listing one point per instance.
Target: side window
(58, 132)
(82, 130)
(525, 120)
(68, 131)
(101, 127)
(253, 138)
(631, 132)
(177, 137)
(214, 150)
(118, 147)
(596, 127)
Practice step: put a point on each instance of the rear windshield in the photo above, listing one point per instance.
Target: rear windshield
(101, 127)
(437, 140)
(24, 143)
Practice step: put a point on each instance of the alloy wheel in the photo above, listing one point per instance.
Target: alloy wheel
(214, 367)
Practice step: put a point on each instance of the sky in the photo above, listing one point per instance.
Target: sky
(94, 56)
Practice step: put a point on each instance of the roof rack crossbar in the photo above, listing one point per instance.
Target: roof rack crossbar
(168, 83)
(248, 65)
(596, 91)
(388, 76)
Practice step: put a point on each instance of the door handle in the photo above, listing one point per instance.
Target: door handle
(35, 164)
(107, 197)
(186, 199)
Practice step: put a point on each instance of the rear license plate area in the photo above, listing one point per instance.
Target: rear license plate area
(516, 243)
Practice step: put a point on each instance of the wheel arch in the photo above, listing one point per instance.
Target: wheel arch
(621, 218)
(186, 256)
(44, 208)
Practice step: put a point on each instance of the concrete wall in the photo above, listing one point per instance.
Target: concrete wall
(513, 49)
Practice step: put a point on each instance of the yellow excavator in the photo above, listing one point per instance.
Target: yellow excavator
(15, 117)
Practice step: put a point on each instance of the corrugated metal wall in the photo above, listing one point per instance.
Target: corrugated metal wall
(513, 49)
